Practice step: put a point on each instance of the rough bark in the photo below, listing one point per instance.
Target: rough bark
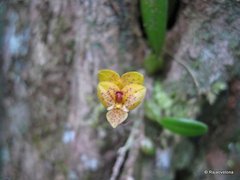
(52, 52)
(55, 128)
(204, 49)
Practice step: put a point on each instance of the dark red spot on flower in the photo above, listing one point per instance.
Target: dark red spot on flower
(119, 97)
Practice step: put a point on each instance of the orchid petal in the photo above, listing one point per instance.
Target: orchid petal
(106, 93)
(132, 78)
(110, 76)
(133, 95)
(116, 117)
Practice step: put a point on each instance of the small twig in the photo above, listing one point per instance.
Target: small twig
(123, 150)
(129, 165)
(188, 70)
(191, 74)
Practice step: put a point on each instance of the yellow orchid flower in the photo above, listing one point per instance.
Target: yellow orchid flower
(120, 94)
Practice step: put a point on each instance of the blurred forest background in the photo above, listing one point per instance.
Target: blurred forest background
(52, 124)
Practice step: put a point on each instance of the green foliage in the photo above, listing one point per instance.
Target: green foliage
(154, 15)
(165, 104)
(153, 63)
(219, 86)
(216, 88)
(183, 126)
(151, 111)
(147, 147)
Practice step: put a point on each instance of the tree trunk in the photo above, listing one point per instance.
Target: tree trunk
(52, 52)
(55, 128)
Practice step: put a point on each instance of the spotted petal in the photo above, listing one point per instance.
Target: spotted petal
(133, 95)
(106, 93)
(132, 78)
(116, 117)
(110, 76)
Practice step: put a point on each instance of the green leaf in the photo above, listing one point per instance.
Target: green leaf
(154, 16)
(153, 63)
(183, 126)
